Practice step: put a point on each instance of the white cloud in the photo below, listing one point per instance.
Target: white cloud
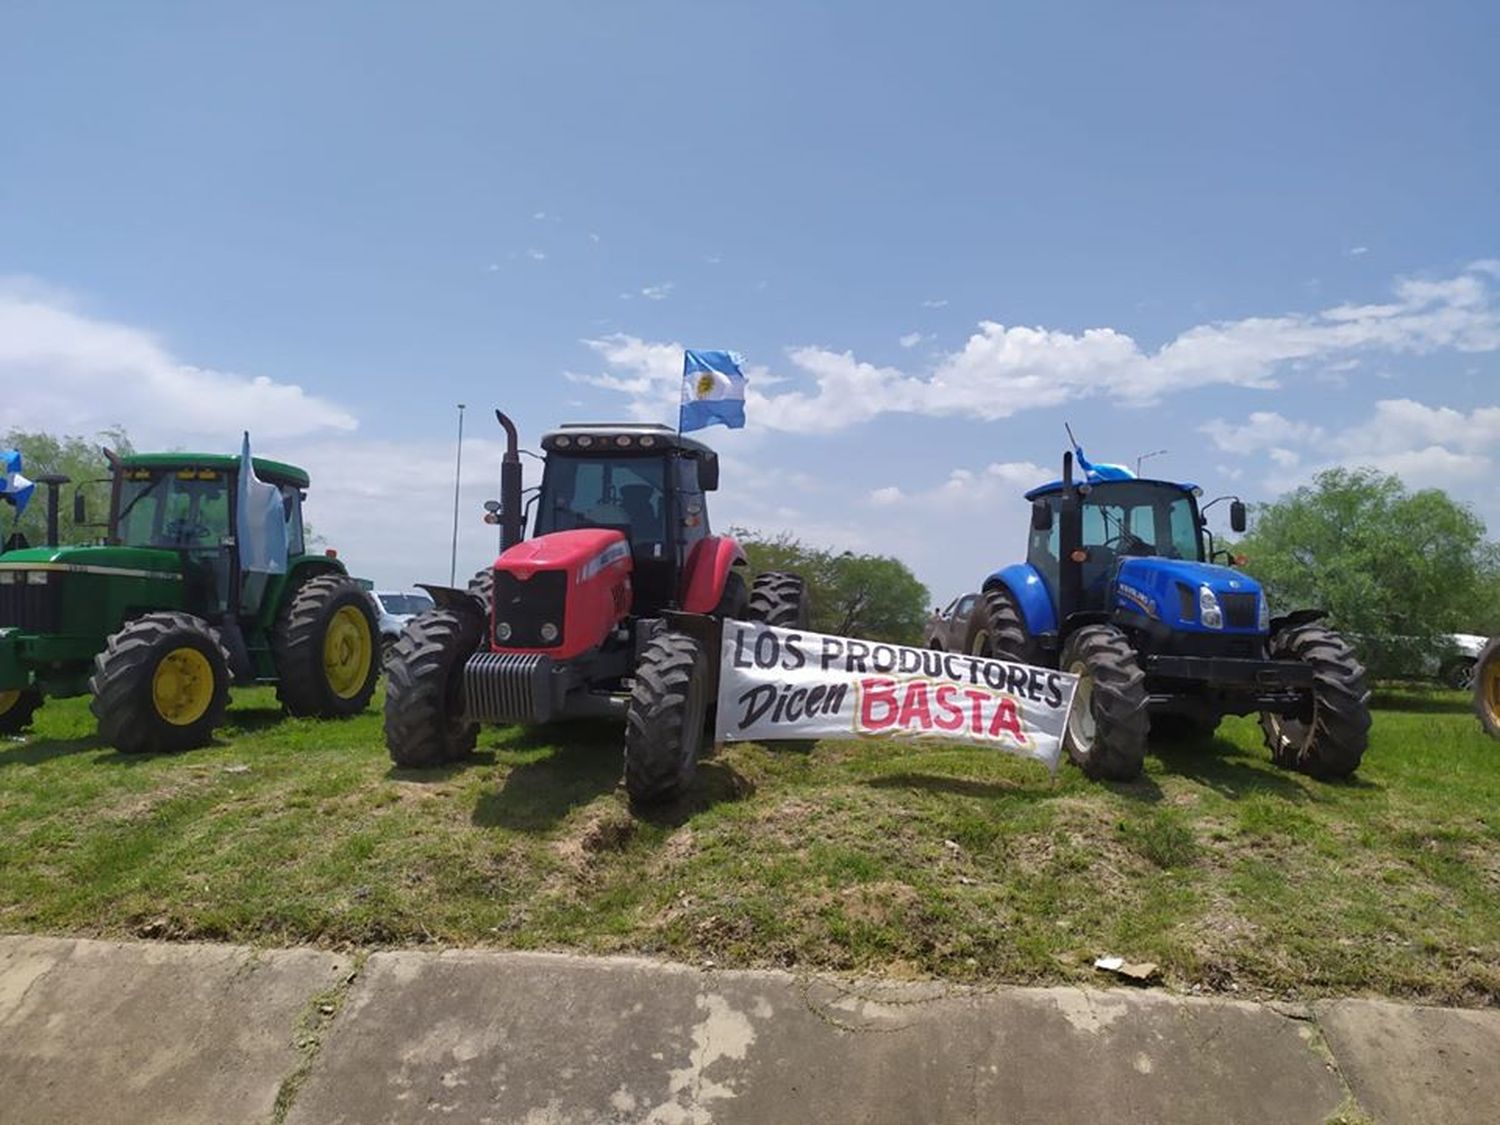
(884, 497)
(911, 339)
(1356, 251)
(1263, 430)
(64, 369)
(935, 303)
(658, 292)
(537, 255)
(1002, 370)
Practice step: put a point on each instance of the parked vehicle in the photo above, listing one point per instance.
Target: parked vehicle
(1119, 587)
(612, 608)
(393, 610)
(157, 620)
(946, 628)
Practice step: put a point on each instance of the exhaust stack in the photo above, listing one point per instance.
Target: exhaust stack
(512, 515)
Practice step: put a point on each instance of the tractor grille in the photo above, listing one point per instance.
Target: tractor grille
(527, 606)
(25, 605)
(1239, 610)
(507, 687)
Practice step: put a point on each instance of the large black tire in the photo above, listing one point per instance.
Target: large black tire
(780, 599)
(1458, 673)
(734, 602)
(1106, 733)
(1487, 688)
(326, 648)
(16, 709)
(482, 586)
(424, 723)
(1330, 740)
(997, 629)
(160, 685)
(665, 721)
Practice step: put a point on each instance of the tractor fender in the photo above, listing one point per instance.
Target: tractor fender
(1295, 618)
(460, 601)
(708, 567)
(280, 587)
(1025, 584)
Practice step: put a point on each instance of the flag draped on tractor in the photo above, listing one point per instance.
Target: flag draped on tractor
(713, 391)
(260, 519)
(14, 488)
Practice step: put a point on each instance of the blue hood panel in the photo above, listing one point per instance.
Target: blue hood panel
(1151, 586)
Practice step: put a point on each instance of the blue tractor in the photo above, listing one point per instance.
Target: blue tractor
(1120, 587)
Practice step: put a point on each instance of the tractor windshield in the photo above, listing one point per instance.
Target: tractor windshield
(627, 493)
(173, 508)
(1141, 518)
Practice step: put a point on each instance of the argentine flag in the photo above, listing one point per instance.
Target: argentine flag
(713, 391)
(16, 489)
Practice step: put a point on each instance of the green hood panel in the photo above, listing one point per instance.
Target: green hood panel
(140, 560)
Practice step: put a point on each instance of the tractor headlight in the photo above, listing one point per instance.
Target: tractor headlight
(1208, 609)
(502, 631)
(1263, 618)
(549, 632)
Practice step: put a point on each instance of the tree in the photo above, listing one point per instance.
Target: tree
(875, 597)
(74, 457)
(1395, 569)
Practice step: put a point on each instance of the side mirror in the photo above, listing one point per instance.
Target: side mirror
(80, 510)
(708, 472)
(1237, 515)
(492, 506)
(1041, 516)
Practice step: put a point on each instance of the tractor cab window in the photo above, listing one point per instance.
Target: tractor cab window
(626, 493)
(1138, 518)
(179, 509)
(291, 505)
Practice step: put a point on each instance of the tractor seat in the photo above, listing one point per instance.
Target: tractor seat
(640, 504)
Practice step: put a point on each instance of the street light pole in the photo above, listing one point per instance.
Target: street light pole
(1145, 456)
(458, 466)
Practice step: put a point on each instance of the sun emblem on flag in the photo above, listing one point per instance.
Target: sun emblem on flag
(705, 385)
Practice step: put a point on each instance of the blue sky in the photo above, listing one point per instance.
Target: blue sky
(1264, 238)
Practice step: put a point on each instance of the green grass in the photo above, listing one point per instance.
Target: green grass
(907, 861)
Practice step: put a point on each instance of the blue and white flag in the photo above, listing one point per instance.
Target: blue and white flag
(1095, 473)
(14, 488)
(713, 391)
(261, 520)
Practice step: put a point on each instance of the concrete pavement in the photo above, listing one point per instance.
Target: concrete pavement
(108, 1032)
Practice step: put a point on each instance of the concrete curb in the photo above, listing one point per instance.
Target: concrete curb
(100, 1031)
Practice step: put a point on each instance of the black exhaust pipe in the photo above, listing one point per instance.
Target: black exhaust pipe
(53, 483)
(1070, 544)
(512, 516)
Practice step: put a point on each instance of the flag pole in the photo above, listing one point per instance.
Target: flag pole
(458, 465)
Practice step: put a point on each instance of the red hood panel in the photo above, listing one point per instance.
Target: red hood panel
(562, 550)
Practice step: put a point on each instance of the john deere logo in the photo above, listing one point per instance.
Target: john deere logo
(705, 385)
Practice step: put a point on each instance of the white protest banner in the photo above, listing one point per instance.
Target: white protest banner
(790, 684)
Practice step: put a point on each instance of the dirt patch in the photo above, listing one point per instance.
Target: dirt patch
(597, 832)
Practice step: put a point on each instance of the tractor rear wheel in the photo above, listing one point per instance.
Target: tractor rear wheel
(1329, 739)
(1487, 688)
(1106, 732)
(778, 598)
(424, 722)
(734, 602)
(997, 629)
(16, 708)
(482, 586)
(160, 685)
(325, 646)
(665, 721)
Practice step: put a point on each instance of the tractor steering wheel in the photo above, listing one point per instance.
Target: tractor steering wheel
(1126, 543)
(185, 531)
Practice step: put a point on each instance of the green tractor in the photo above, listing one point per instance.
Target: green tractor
(182, 597)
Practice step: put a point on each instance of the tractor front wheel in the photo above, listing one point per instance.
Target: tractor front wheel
(325, 647)
(780, 599)
(666, 717)
(997, 629)
(1487, 688)
(424, 722)
(160, 685)
(1329, 738)
(16, 708)
(1106, 732)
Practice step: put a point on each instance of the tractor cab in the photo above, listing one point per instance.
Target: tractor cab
(646, 482)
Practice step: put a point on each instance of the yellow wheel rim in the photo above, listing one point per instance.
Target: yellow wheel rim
(1489, 690)
(182, 687)
(8, 699)
(348, 651)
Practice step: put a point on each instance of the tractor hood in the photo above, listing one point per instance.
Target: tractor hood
(1168, 590)
(137, 562)
(584, 552)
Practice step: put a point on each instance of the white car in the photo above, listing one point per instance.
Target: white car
(1456, 667)
(393, 609)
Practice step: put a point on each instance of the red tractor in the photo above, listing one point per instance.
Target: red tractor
(612, 608)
